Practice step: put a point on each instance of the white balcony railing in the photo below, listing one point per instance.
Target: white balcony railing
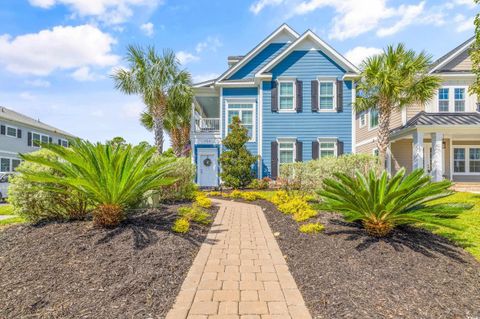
(207, 125)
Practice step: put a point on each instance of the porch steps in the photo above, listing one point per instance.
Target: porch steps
(466, 187)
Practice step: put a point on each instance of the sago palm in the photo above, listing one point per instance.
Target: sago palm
(155, 78)
(112, 179)
(390, 81)
(382, 203)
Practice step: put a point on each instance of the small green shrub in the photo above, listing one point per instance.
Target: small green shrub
(260, 183)
(311, 228)
(34, 202)
(251, 196)
(204, 202)
(183, 188)
(181, 225)
(308, 176)
(280, 197)
(304, 214)
(214, 194)
(293, 205)
(195, 214)
(235, 194)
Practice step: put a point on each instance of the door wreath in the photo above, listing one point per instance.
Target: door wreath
(207, 162)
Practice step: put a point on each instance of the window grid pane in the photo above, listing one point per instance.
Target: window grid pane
(459, 100)
(11, 131)
(286, 96)
(4, 165)
(326, 95)
(443, 100)
(459, 160)
(373, 118)
(474, 160)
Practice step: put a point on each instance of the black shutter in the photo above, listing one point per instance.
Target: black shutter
(299, 88)
(339, 148)
(339, 96)
(315, 150)
(274, 96)
(299, 151)
(29, 138)
(274, 162)
(19, 133)
(59, 142)
(314, 89)
(50, 140)
(2, 129)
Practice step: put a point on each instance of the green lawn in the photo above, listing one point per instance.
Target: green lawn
(469, 222)
(8, 210)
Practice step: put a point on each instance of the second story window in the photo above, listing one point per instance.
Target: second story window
(39, 138)
(245, 112)
(363, 119)
(286, 95)
(326, 95)
(443, 100)
(373, 117)
(11, 131)
(459, 100)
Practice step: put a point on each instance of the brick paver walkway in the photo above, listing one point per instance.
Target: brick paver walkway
(239, 272)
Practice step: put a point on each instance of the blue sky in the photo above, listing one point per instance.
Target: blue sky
(56, 55)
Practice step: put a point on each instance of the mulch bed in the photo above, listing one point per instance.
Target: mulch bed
(72, 270)
(344, 273)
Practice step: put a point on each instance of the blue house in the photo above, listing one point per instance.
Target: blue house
(293, 92)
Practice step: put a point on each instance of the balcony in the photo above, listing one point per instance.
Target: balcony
(207, 125)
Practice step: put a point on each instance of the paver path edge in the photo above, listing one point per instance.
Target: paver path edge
(239, 272)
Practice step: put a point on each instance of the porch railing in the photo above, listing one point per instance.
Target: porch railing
(207, 125)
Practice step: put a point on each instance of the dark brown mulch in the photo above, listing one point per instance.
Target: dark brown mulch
(72, 270)
(344, 273)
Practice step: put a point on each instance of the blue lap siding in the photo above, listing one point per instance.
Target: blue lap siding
(306, 126)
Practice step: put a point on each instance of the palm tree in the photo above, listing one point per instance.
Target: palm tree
(390, 81)
(155, 78)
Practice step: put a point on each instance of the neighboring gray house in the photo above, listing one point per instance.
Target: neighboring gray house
(22, 134)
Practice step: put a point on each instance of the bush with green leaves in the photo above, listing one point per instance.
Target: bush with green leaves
(382, 203)
(311, 228)
(308, 176)
(181, 225)
(35, 202)
(257, 183)
(183, 188)
(112, 179)
(236, 161)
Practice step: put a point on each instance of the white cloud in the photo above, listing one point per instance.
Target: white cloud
(59, 48)
(204, 77)
(259, 5)
(39, 83)
(408, 15)
(464, 23)
(211, 43)
(468, 3)
(186, 57)
(84, 74)
(132, 110)
(108, 11)
(147, 28)
(358, 54)
(27, 96)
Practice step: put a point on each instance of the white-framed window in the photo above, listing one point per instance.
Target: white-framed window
(363, 119)
(245, 110)
(326, 95)
(286, 151)
(63, 142)
(37, 138)
(11, 131)
(286, 95)
(8, 164)
(459, 99)
(327, 147)
(443, 99)
(375, 152)
(372, 119)
(466, 160)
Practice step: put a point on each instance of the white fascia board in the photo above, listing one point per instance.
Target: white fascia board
(351, 76)
(203, 84)
(322, 45)
(235, 84)
(258, 48)
(453, 56)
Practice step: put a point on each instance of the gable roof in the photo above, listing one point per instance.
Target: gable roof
(442, 61)
(284, 28)
(23, 119)
(326, 48)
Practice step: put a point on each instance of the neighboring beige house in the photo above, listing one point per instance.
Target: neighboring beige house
(443, 137)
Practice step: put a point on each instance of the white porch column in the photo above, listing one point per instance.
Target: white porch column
(437, 158)
(417, 160)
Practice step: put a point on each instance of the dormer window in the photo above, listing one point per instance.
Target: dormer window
(443, 100)
(459, 100)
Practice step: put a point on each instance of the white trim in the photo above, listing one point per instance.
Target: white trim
(260, 130)
(253, 102)
(221, 114)
(354, 116)
(404, 116)
(9, 152)
(375, 150)
(41, 134)
(258, 48)
(292, 140)
(333, 140)
(236, 84)
(467, 160)
(10, 164)
(451, 158)
(367, 141)
(203, 84)
(327, 49)
(363, 116)
(451, 99)
(452, 56)
(334, 92)
(10, 126)
(294, 97)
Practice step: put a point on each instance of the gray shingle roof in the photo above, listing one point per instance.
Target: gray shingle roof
(450, 53)
(11, 115)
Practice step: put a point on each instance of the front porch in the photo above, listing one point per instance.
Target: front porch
(450, 150)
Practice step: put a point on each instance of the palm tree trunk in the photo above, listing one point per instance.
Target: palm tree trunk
(383, 132)
(185, 140)
(158, 132)
(176, 141)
